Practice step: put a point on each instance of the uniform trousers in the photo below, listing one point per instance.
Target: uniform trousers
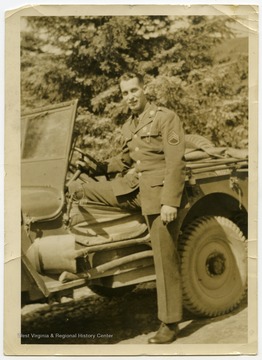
(164, 245)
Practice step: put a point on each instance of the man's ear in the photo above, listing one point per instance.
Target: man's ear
(145, 89)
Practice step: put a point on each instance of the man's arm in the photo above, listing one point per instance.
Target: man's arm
(120, 163)
(174, 149)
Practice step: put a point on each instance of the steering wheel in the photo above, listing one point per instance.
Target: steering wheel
(91, 158)
(77, 171)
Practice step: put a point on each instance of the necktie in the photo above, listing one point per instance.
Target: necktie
(135, 119)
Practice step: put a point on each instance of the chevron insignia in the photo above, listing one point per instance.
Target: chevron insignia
(173, 138)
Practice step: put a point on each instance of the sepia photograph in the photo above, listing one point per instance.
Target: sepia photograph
(132, 162)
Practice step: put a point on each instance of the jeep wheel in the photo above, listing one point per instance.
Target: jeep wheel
(213, 266)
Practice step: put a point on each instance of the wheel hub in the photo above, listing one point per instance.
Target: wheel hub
(215, 264)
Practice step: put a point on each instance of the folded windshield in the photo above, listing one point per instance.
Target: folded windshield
(45, 135)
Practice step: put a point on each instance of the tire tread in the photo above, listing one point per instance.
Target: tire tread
(185, 245)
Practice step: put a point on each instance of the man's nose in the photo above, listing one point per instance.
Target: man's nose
(130, 96)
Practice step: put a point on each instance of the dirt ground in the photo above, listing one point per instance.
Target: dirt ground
(129, 319)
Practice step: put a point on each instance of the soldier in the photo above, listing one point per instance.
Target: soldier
(154, 145)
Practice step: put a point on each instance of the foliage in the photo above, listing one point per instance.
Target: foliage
(82, 57)
(98, 135)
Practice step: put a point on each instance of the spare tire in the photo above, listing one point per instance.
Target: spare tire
(195, 141)
(213, 266)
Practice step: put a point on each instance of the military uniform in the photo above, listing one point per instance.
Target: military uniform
(155, 146)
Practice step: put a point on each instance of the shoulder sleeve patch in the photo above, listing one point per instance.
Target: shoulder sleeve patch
(173, 138)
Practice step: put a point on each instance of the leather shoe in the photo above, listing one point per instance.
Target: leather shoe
(166, 334)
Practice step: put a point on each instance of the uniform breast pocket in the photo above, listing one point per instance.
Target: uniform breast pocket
(149, 132)
(153, 140)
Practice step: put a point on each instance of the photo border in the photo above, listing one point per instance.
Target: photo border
(12, 183)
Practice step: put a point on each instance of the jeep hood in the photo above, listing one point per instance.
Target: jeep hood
(46, 144)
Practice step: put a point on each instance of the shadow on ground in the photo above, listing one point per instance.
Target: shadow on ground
(199, 322)
(93, 320)
(99, 320)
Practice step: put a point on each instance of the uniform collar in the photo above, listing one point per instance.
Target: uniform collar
(145, 117)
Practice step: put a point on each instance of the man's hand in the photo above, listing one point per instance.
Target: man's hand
(131, 171)
(84, 167)
(81, 164)
(168, 213)
(98, 169)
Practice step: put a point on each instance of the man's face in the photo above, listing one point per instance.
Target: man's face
(133, 94)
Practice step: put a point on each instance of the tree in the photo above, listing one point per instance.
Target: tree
(82, 57)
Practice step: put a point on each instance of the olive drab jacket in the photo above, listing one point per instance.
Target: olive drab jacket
(154, 149)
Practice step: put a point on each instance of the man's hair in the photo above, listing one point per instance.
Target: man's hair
(131, 75)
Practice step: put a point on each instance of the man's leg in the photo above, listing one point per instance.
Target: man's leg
(101, 193)
(168, 279)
